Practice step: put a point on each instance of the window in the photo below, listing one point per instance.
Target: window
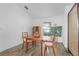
(47, 28)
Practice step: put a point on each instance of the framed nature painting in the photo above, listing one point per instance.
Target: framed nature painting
(56, 31)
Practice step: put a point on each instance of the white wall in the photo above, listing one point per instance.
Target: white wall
(13, 21)
(67, 9)
(57, 19)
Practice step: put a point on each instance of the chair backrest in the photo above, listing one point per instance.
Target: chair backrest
(50, 40)
(36, 31)
(53, 37)
(24, 34)
(47, 40)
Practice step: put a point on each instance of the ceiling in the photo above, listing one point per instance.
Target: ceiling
(45, 10)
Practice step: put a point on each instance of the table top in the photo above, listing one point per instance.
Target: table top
(42, 38)
(34, 38)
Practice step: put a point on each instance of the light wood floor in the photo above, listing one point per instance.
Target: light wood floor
(18, 51)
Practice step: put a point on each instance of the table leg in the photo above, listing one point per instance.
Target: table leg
(26, 45)
(33, 43)
(41, 48)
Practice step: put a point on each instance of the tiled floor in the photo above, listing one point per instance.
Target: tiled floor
(18, 51)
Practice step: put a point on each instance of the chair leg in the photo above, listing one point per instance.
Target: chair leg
(45, 50)
(41, 48)
(27, 45)
(33, 44)
(22, 45)
(54, 52)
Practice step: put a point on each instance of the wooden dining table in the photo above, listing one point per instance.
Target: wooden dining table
(34, 40)
(40, 39)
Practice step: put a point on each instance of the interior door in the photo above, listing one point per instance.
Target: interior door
(73, 31)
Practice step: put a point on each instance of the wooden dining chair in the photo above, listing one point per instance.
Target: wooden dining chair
(26, 41)
(49, 42)
(24, 36)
